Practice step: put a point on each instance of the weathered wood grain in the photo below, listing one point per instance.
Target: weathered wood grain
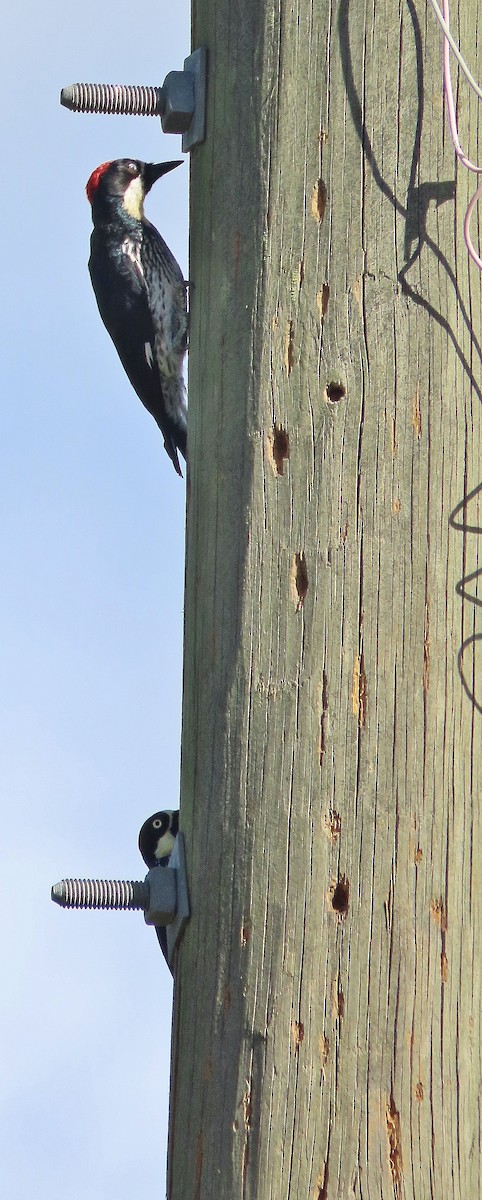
(327, 1038)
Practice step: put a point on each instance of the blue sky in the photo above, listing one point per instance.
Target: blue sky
(91, 603)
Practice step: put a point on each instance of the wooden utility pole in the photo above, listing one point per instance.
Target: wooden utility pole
(327, 1007)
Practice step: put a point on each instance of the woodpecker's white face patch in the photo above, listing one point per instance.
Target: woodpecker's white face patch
(134, 199)
(149, 354)
(165, 845)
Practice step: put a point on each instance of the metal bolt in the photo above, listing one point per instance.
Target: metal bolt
(180, 102)
(162, 895)
(156, 896)
(101, 893)
(113, 98)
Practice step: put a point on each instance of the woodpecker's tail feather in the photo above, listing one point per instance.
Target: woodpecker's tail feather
(175, 440)
(173, 422)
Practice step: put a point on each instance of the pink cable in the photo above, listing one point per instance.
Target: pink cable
(454, 133)
(468, 239)
(449, 96)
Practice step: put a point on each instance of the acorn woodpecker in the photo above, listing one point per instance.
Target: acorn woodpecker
(157, 837)
(140, 292)
(156, 843)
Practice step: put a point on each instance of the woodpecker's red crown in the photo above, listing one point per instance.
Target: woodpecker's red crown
(92, 182)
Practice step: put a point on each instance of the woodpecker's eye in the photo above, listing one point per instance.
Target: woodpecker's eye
(157, 824)
(132, 168)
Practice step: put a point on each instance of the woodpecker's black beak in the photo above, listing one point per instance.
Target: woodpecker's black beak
(153, 171)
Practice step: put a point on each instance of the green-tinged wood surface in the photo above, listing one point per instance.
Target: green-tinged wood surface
(327, 1038)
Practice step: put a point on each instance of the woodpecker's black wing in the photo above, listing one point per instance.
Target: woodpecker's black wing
(123, 302)
(162, 939)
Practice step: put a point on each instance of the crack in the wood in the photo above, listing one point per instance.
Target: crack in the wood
(323, 716)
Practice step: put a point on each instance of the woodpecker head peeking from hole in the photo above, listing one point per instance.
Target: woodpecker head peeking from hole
(157, 837)
(140, 292)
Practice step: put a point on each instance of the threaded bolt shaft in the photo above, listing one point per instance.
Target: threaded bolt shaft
(117, 98)
(101, 893)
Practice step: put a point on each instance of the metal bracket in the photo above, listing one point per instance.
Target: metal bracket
(197, 65)
(180, 102)
(165, 883)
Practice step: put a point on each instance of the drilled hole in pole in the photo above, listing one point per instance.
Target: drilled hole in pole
(280, 448)
(299, 579)
(340, 896)
(335, 391)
